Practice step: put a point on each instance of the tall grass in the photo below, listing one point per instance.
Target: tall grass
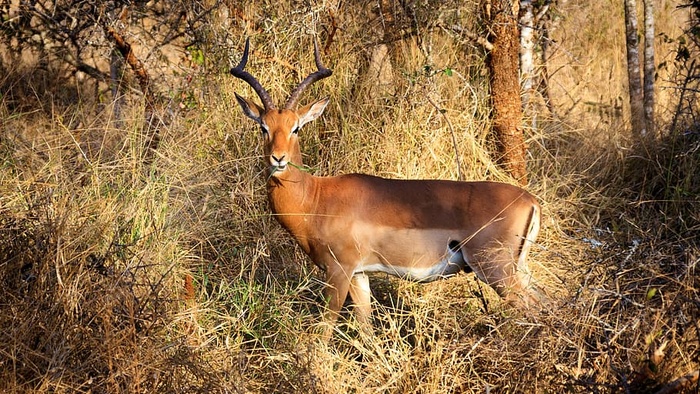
(121, 274)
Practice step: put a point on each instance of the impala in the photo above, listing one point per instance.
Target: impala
(420, 230)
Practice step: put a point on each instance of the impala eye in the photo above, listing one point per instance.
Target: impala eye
(263, 129)
(295, 130)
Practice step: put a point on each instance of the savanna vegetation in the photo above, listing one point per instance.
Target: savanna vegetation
(138, 253)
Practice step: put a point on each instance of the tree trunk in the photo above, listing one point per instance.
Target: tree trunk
(649, 67)
(636, 94)
(502, 62)
(381, 70)
(543, 83)
(527, 50)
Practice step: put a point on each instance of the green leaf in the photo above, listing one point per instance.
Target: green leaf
(196, 54)
(651, 293)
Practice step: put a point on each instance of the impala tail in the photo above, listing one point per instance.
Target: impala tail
(532, 293)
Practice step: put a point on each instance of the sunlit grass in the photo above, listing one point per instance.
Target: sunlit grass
(125, 270)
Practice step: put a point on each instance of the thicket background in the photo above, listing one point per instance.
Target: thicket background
(137, 252)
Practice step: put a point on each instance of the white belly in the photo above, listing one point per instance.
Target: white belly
(419, 255)
(441, 269)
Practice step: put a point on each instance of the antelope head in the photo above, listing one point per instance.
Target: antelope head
(280, 127)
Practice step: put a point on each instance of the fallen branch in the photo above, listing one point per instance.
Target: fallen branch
(331, 32)
(136, 65)
(152, 120)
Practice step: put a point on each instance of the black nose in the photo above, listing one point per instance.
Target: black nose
(276, 159)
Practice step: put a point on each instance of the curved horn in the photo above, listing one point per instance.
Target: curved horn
(244, 75)
(316, 76)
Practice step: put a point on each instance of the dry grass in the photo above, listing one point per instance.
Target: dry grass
(120, 276)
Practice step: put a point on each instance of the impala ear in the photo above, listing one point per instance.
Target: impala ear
(312, 111)
(251, 109)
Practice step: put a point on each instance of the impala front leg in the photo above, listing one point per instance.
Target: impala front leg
(335, 293)
(361, 299)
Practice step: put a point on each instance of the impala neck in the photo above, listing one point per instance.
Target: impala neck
(293, 199)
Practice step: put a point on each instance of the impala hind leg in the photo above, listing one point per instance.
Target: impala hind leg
(361, 299)
(507, 274)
